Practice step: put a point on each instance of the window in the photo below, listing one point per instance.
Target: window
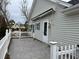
(33, 28)
(38, 26)
(45, 28)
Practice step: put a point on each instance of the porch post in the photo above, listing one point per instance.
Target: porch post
(53, 47)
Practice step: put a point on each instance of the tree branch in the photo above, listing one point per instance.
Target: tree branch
(24, 9)
(4, 11)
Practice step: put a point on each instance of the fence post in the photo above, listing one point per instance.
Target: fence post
(6, 31)
(10, 33)
(53, 50)
(9, 30)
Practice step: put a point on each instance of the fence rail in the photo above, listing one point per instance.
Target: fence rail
(4, 42)
(63, 52)
(20, 34)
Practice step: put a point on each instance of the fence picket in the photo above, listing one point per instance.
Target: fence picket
(57, 52)
(72, 52)
(61, 53)
(75, 50)
(65, 52)
(69, 52)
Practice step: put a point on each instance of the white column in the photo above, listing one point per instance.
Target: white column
(53, 47)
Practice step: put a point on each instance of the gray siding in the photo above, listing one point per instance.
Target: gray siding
(38, 33)
(41, 6)
(65, 29)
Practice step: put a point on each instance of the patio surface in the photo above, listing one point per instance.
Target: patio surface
(27, 48)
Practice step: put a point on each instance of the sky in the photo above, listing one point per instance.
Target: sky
(66, 0)
(15, 12)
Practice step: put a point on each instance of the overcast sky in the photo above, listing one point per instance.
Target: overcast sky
(66, 0)
(15, 12)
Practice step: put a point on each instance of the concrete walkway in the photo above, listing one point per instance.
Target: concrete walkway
(28, 48)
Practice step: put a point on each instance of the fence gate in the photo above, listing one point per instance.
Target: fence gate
(63, 52)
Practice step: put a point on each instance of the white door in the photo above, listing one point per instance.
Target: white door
(45, 31)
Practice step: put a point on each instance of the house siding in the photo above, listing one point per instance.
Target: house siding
(38, 33)
(64, 29)
(41, 6)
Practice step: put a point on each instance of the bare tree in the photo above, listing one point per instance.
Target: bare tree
(24, 10)
(3, 5)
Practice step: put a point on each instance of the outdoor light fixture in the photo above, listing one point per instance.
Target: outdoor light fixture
(49, 25)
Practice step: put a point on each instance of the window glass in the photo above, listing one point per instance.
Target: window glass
(45, 28)
(33, 28)
(38, 26)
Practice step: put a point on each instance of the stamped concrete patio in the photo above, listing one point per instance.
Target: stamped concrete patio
(28, 48)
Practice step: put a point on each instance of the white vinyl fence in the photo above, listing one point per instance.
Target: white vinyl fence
(62, 52)
(4, 42)
(20, 34)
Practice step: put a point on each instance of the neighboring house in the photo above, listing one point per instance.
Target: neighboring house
(18, 27)
(15, 26)
(54, 20)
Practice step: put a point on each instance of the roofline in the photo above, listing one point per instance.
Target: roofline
(71, 10)
(61, 3)
(32, 8)
(49, 11)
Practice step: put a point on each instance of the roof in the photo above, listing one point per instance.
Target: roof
(60, 2)
(45, 13)
(74, 10)
(74, 2)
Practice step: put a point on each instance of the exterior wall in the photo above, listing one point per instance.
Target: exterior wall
(38, 34)
(41, 6)
(64, 29)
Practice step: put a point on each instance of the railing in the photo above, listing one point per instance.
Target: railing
(4, 43)
(20, 34)
(62, 52)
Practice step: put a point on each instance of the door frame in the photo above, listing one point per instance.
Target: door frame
(45, 38)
